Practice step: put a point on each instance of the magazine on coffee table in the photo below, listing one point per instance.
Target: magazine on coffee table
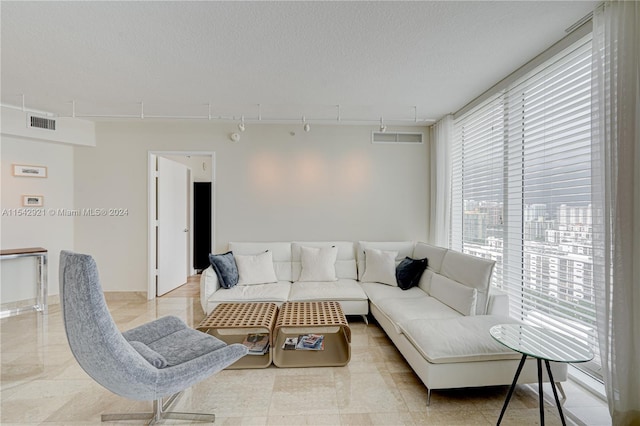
(310, 342)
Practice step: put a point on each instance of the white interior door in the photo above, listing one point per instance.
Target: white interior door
(173, 225)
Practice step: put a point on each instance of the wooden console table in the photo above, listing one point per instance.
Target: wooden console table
(42, 286)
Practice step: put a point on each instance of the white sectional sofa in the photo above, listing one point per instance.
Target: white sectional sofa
(440, 326)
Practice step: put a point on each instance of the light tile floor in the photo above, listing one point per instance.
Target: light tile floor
(42, 383)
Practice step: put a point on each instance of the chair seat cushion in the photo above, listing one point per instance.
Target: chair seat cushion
(152, 357)
(184, 345)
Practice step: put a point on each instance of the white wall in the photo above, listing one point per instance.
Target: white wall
(328, 184)
(50, 231)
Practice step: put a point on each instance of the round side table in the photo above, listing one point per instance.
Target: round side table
(543, 345)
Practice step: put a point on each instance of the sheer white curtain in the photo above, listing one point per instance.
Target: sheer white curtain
(616, 202)
(441, 137)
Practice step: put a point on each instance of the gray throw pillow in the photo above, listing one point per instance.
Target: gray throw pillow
(409, 271)
(153, 357)
(226, 269)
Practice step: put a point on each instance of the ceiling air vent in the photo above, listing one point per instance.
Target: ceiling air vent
(41, 122)
(397, 137)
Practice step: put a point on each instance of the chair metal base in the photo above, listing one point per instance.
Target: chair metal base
(159, 413)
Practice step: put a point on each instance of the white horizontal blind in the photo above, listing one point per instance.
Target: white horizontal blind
(521, 193)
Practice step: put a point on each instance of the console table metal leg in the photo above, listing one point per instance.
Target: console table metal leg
(43, 287)
(540, 394)
(513, 386)
(555, 392)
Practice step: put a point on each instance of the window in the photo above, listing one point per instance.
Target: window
(521, 193)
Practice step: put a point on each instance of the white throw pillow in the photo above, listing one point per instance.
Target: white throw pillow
(453, 294)
(318, 264)
(256, 269)
(380, 267)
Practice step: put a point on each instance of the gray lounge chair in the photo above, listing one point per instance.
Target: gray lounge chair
(150, 362)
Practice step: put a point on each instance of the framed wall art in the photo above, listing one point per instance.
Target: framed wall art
(29, 171)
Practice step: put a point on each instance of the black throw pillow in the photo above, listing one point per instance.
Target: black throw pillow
(409, 271)
(226, 268)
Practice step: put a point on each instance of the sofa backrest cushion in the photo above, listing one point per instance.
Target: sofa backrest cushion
(280, 251)
(458, 296)
(471, 271)
(435, 255)
(403, 248)
(345, 260)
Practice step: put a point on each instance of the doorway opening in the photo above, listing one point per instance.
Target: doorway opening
(172, 239)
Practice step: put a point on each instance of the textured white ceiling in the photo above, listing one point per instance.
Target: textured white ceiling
(294, 58)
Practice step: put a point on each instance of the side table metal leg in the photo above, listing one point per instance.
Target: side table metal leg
(541, 403)
(555, 392)
(513, 386)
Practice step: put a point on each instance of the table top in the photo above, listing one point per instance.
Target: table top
(241, 315)
(541, 343)
(27, 250)
(311, 314)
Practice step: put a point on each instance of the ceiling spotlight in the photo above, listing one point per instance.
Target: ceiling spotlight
(383, 128)
(235, 137)
(241, 125)
(306, 125)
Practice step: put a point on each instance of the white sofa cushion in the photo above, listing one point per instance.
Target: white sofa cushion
(274, 292)
(455, 295)
(318, 264)
(281, 252)
(377, 292)
(459, 339)
(343, 289)
(255, 269)
(435, 255)
(475, 273)
(420, 307)
(380, 267)
(345, 260)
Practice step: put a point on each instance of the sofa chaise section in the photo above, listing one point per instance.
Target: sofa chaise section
(445, 345)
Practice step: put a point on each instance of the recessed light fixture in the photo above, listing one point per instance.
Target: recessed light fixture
(235, 137)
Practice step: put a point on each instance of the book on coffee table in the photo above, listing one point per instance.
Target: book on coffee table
(258, 344)
(290, 343)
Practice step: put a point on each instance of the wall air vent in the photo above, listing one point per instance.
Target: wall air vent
(40, 122)
(397, 137)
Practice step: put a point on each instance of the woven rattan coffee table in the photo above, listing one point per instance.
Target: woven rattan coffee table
(232, 322)
(326, 318)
